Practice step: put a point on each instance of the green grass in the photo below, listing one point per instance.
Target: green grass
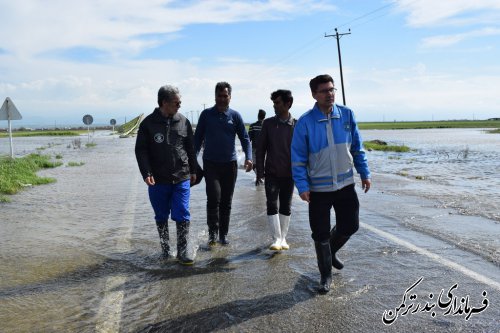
(431, 124)
(74, 164)
(20, 172)
(90, 144)
(42, 133)
(495, 131)
(384, 147)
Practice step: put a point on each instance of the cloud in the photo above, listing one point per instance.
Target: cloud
(430, 13)
(448, 40)
(418, 93)
(32, 27)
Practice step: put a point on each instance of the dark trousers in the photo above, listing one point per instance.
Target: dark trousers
(282, 188)
(346, 205)
(220, 179)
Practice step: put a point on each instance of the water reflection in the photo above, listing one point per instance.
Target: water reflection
(236, 312)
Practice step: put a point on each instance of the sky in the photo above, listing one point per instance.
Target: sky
(402, 60)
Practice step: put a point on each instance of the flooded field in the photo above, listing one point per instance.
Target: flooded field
(82, 255)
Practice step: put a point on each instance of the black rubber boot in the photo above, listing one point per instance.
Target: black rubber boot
(224, 227)
(182, 237)
(336, 242)
(325, 265)
(163, 232)
(213, 225)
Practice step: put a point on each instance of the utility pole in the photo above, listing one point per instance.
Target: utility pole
(337, 36)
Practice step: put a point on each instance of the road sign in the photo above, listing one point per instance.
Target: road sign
(112, 122)
(9, 111)
(87, 119)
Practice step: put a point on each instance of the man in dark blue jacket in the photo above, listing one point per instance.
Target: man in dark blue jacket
(216, 132)
(165, 154)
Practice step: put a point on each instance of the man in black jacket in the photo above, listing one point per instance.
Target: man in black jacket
(274, 162)
(165, 154)
(253, 133)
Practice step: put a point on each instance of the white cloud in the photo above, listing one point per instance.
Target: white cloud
(429, 13)
(31, 27)
(417, 93)
(447, 40)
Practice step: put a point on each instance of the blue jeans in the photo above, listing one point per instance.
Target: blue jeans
(170, 199)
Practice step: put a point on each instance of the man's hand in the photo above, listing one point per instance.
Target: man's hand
(192, 179)
(305, 196)
(366, 184)
(149, 180)
(248, 165)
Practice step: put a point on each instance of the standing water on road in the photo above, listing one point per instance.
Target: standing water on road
(82, 254)
(456, 167)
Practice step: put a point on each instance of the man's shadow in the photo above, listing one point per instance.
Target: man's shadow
(236, 312)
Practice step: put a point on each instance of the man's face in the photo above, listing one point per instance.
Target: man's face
(171, 107)
(222, 99)
(325, 95)
(280, 109)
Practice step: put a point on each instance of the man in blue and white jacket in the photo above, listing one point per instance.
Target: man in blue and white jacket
(326, 146)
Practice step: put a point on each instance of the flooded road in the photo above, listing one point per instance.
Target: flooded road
(82, 255)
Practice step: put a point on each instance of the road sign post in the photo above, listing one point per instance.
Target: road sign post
(9, 112)
(112, 122)
(88, 120)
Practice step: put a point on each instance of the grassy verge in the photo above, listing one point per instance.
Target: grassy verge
(383, 146)
(18, 173)
(431, 124)
(42, 133)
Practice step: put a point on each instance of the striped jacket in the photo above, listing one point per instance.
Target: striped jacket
(325, 149)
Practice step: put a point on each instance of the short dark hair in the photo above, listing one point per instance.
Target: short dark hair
(323, 78)
(286, 96)
(261, 115)
(221, 86)
(167, 93)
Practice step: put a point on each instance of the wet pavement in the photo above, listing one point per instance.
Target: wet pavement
(82, 255)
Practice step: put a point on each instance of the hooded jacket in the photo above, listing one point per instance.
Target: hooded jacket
(165, 148)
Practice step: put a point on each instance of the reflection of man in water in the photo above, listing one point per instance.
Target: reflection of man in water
(326, 145)
(253, 133)
(273, 162)
(165, 153)
(217, 129)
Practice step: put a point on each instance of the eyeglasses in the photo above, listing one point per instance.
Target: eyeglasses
(176, 103)
(327, 91)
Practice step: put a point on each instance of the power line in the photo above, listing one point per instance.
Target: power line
(306, 46)
(365, 15)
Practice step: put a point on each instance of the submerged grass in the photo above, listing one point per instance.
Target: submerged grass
(20, 172)
(43, 133)
(371, 145)
(430, 124)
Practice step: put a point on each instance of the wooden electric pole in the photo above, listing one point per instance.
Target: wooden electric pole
(337, 36)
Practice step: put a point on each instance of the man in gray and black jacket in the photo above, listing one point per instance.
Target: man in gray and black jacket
(165, 154)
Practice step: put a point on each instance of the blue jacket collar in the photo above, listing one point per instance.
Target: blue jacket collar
(320, 116)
